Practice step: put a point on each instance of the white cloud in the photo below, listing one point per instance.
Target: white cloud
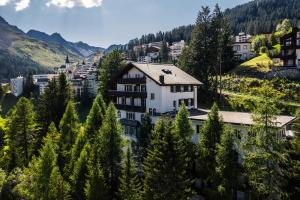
(73, 3)
(22, 4)
(4, 2)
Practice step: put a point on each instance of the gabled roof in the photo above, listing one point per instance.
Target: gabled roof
(239, 118)
(172, 74)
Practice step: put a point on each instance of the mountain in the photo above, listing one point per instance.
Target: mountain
(262, 15)
(80, 48)
(20, 53)
(115, 47)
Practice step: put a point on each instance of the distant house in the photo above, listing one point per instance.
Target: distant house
(42, 80)
(242, 47)
(176, 49)
(290, 49)
(17, 85)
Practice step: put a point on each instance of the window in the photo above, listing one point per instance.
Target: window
(137, 76)
(128, 88)
(192, 102)
(288, 42)
(173, 88)
(143, 88)
(119, 114)
(197, 128)
(298, 42)
(123, 101)
(132, 101)
(174, 104)
(245, 47)
(177, 88)
(186, 88)
(298, 63)
(130, 116)
(150, 111)
(154, 112)
(142, 117)
(152, 96)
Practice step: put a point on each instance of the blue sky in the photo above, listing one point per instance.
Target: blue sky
(104, 22)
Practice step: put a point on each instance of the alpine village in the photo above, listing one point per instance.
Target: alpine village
(205, 111)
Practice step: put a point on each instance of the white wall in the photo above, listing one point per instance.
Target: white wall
(298, 58)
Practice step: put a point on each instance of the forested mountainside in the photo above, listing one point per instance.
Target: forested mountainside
(20, 53)
(262, 15)
(254, 17)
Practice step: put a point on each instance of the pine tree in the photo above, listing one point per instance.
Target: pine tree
(110, 67)
(58, 187)
(110, 146)
(95, 188)
(165, 166)
(21, 131)
(67, 59)
(164, 52)
(79, 175)
(209, 138)
(263, 150)
(69, 128)
(63, 95)
(130, 186)
(47, 109)
(227, 166)
(144, 137)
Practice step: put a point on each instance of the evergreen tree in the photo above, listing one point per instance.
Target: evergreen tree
(210, 135)
(164, 52)
(28, 86)
(67, 59)
(263, 150)
(227, 166)
(130, 186)
(110, 67)
(110, 146)
(47, 110)
(21, 132)
(63, 95)
(1, 94)
(165, 165)
(144, 137)
(95, 188)
(79, 175)
(58, 187)
(69, 127)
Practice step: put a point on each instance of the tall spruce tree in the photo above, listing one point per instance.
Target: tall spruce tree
(165, 165)
(263, 150)
(63, 95)
(210, 135)
(110, 150)
(227, 166)
(22, 129)
(110, 67)
(164, 52)
(69, 128)
(130, 186)
(79, 175)
(95, 188)
(144, 137)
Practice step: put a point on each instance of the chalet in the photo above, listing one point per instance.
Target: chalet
(153, 88)
(290, 49)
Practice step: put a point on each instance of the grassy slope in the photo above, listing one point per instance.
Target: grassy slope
(44, 54)
(258, 64)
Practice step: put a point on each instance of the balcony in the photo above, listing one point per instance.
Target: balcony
(141, 80)
(131, 108)
(116, 93)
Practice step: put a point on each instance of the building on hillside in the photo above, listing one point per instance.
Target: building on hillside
(240, 121)
(176, 49)
(290, 49)
(42, 80)
(242, 47)
(17, 85)
(156, 89)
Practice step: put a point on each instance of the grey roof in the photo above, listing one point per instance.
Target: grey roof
(176, 77)
(241, 118)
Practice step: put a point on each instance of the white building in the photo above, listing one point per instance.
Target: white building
(176, 49)
(156, 89)
(17, 85)
(240, 121)
(242, 47)
(42, 80)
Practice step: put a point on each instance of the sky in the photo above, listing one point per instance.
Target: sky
(104, 22)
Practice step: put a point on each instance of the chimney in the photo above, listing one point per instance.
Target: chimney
(162, 79)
